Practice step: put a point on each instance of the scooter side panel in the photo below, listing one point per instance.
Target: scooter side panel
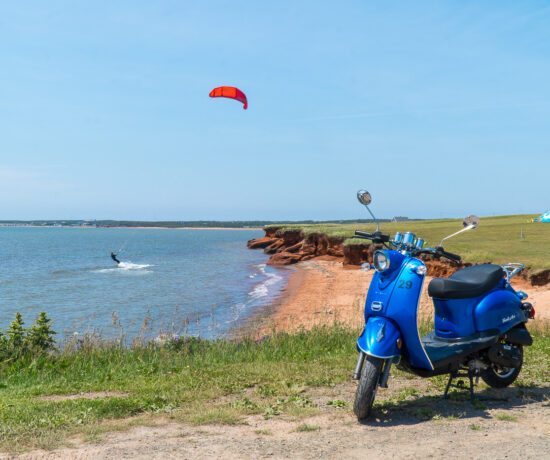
(399, 302)
(379, 338)
(500, 309)
(454, 317)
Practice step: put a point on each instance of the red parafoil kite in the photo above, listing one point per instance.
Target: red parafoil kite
(230, 92)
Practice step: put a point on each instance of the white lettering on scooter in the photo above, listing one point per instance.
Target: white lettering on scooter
(508, 318)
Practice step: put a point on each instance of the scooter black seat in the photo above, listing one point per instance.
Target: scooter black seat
(467, 282)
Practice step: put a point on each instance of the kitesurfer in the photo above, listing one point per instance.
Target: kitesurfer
(113, 256)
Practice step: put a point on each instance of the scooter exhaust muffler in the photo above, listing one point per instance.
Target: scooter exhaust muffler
(504, 355)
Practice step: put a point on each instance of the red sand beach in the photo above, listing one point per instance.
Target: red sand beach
(322, 291)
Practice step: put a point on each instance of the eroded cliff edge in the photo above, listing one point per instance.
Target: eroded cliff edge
(290, 246)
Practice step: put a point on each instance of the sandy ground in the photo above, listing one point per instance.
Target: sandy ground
(514, 424)
(322, 291)
(509, 423)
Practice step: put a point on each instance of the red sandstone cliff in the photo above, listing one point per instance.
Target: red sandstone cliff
(291, 246)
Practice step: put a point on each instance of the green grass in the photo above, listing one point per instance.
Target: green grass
(497, 239)
(198, 382)
(189, 381)
(306, 427)
(506, 417)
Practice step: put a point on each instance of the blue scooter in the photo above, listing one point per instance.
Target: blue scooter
(479, 318)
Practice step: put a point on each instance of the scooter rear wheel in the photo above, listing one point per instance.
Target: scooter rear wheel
(500, 377)
(368, 384)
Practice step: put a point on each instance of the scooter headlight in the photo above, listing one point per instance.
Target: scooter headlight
(381, 261)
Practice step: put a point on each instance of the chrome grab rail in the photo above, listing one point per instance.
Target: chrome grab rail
(511, 269)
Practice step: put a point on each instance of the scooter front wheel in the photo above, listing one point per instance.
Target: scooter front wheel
(368, 384)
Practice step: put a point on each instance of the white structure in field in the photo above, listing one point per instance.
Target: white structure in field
(544, 217)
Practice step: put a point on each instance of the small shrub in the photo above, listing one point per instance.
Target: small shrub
(17, 343)
(40, 335)
(16, 334)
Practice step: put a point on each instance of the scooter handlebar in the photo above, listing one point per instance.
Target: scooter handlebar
(439, 251)
(363, 234)
(449, 255)
(376, 237)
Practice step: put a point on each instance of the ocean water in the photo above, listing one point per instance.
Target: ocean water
(196, 282)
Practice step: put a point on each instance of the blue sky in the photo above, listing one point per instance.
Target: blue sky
(440, 109)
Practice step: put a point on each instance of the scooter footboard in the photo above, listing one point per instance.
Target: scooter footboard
(381, 338)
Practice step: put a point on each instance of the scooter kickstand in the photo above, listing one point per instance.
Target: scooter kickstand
(460, 384)
(452, 375)
(471, 378)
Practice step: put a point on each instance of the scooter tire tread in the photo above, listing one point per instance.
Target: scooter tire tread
(368, 383)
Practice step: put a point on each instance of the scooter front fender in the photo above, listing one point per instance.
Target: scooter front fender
(381, 338)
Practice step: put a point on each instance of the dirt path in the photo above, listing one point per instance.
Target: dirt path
(516, 424)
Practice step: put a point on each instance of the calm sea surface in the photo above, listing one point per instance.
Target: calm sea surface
(187, 281)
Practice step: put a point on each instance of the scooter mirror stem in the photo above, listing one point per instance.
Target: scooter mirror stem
(469, 227)
(374, 218)
(365, 199)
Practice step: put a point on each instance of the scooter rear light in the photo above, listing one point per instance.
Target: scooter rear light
(528, 308)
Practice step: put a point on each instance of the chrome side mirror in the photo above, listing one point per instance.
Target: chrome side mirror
(469, 223)
(365, 199)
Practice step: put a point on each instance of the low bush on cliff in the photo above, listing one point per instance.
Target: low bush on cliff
(193, 380)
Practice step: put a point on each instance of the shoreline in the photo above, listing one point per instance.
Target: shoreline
(318, 291)
(323, 291)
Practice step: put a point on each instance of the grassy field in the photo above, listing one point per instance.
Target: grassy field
(195, 381)
(497, 239)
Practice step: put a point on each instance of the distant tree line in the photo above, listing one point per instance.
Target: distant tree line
(177, 224)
